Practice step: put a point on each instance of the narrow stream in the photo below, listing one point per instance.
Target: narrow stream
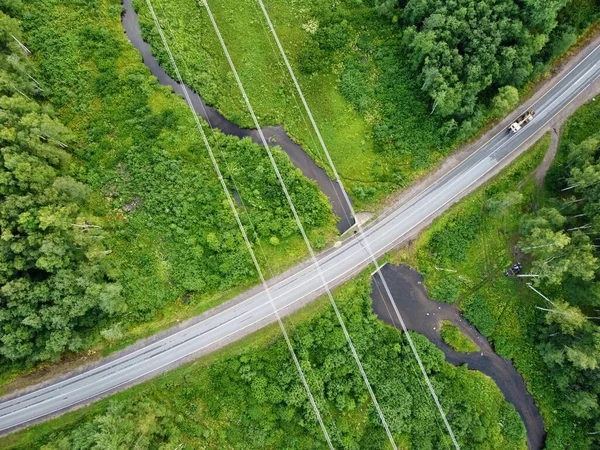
(275, 135)
(424, 315)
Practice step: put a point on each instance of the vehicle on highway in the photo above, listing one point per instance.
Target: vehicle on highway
(521, 121)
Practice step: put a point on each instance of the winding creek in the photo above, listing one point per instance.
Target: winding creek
(275, 135)
(424, 315)
(420, 313)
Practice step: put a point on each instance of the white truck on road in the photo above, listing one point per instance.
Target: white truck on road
(521, 121)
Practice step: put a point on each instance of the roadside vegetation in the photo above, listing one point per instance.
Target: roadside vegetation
(52, 275)
(553, 232)
(147, 220)
(452, 336)
(387, 80)
(114, 224)
(250, 395)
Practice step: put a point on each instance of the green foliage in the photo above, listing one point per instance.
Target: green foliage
(131, 216)
(566, 260)
(310, 33)
(383, 89)
(571, 20)
(53, 283)
(310, 58)
(479, 312)
(505, 100)
(504, 202)
(456, 339)
(466, 51)
(449, 245)
(370, 109)
(451, 45)
(352, 54)
(253, 398)
(447, 288)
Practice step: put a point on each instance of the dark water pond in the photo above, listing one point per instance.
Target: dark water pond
(424, 315)
(275, 135)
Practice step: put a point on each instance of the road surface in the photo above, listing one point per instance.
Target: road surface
(244, 317)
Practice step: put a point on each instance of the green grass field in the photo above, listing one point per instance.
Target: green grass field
(358, 87)
(365, 95)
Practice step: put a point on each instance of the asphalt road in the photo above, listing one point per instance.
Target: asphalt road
(337, 266)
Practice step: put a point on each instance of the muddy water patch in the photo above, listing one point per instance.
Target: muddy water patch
(424, 315)
(275, 135)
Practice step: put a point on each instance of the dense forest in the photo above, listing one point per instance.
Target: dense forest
(110, 210)
(561, 238)
(53, 283)
(252, 397)
(473, 56)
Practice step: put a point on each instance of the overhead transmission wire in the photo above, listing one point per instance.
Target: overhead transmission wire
(230, 172)
(428, 398)
(308, 128)
(240, 225)
(422, 384)
(359, 227)
(299, 223)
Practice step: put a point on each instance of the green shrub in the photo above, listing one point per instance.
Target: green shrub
(456, 339)
(450, 244)
(478, 313)
(446, 288)
(311, 58)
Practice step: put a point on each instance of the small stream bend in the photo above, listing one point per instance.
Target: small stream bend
(424, 315)
(275, 135)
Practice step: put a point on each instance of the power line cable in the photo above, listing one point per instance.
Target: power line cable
(229, 170)
(230, 173)
(308, 127)
(240, 225)
(428, 399)
(299, 223)
(412, 362)
(359, 226)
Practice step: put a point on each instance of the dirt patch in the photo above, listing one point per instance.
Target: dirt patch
(540, 172)
(132, 206)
